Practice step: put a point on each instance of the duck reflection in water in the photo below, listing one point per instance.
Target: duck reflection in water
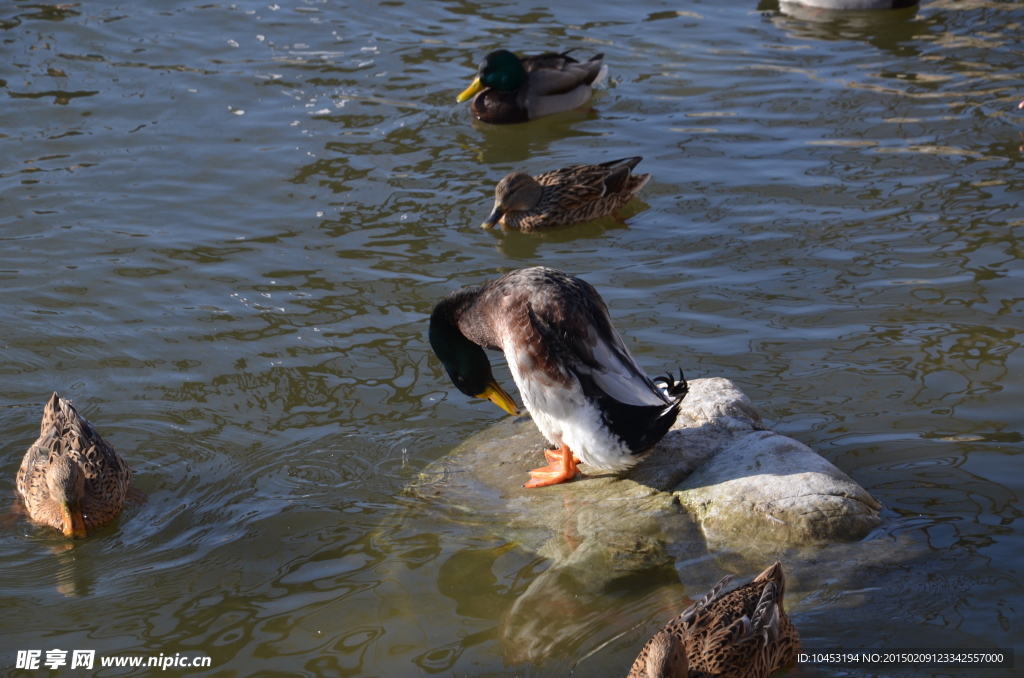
(565, 610)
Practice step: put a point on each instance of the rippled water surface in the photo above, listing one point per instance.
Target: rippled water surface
(224, 226)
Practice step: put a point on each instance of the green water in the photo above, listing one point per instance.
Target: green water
(224, 227)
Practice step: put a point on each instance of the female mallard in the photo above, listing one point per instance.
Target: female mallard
(585, 391)
(70, 478)
(565, 196)
(509, 88)
(741, 634)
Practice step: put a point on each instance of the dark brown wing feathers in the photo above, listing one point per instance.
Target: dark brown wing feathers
(744, 633)
(64, 432)
(580, 193)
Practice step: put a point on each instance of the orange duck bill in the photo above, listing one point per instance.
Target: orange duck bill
(72, 521)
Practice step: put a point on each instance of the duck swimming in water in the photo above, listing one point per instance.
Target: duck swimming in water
(509, 88)
(586, 393)
(744, 633)
(564, 196)
(71, 478)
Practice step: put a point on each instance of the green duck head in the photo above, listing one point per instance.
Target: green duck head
(501, 70)
(466, 363)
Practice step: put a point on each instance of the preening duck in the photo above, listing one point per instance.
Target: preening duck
(71, 478)
(744, 633)
(586, 393)
(565, 196)
(509, 88)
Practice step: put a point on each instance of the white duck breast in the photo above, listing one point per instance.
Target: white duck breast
(561, 407)
(564, 415)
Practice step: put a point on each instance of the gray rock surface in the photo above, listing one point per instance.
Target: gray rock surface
(762, 488)
(720, 481)
(744, 486)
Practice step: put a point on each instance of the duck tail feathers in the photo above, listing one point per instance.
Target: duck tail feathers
(766, 615)
(630, 162)
(639, 427)
(711, 596)
(672, 387)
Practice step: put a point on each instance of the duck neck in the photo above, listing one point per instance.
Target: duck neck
(459, 317)
(444, 327)
(461, 355)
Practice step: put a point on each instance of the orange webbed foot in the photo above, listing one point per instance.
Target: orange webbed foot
(562, 468)
(548, 475)
(555, 457)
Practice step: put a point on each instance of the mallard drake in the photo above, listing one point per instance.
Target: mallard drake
(70, 478)
(509, 88)
(586, 393)
(564, 196)
(741, 634)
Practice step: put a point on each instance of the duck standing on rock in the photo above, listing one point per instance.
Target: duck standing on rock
(70, 478)
(565, 196)
(509, 88)
(586, 393)
(741, 634)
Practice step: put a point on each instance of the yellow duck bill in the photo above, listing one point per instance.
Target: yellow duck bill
(496, 394)
(470, 91)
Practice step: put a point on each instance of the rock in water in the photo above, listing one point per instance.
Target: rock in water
(760, 488)
(719, 472)
(744, 485)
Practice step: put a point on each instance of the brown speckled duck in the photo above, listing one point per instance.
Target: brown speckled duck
(564, 196)
(70, 478)
(741, 634)
(509, 88)
(586, 393)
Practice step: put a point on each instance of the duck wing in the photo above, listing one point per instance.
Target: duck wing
(550, 74)
(742, 633)
(548, 60)
(570, 319)
(687, 615)
(747, 646)
(615, 175)
(575, 187)
(32, 472)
